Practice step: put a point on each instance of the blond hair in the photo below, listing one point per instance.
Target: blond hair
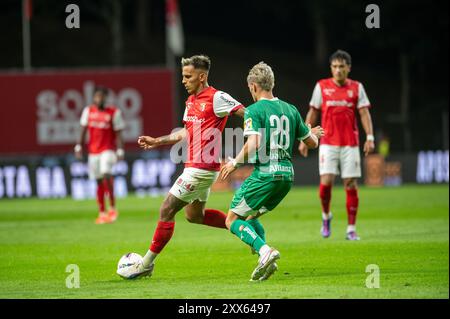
(198, 61)
(262, 75)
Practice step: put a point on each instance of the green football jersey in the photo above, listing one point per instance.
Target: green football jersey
(279, 124)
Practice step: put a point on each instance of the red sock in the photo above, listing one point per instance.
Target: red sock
(214, 218)
(162, 235)
(101, 197)
(352, 205)
(325, 197)
(109, 189)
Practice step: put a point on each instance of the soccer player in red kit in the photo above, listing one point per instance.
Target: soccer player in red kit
(104, 124)
(204, 119)
(339, 99)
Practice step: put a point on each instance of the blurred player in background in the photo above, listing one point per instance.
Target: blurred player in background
(340, 99)
(207, 109)
(104, 124)
(272, 126)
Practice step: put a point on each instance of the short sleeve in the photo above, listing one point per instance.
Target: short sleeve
(185, 115)
(118, 122)
(303, 131)
(224, 104)
(84, 117)
(316, 99)
(252, 123)
(363, 100)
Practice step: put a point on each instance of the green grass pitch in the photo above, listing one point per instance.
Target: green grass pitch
(405, 231)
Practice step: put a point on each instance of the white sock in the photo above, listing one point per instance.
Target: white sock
(351, 228)
(149, 258)
(264, 249)
(326, 216)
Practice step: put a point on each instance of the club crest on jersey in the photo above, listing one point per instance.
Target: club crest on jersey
(350, 93)
(202, 106)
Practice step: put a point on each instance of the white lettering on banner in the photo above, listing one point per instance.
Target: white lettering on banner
(120, 186)
(9, 173)
(50, 182)
(15, 182)
(2, 189)
(58, 116)
(145, 173)
(23, 185)
(432, 166)
(83, 188)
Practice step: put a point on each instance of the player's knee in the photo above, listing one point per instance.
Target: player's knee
(350, 184)
(194, 219)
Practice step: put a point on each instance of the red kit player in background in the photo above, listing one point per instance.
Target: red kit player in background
(339, 99)
(104, 124)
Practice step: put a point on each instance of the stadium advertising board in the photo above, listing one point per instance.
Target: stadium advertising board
(152, 173)
(59, 177)
(41, 110)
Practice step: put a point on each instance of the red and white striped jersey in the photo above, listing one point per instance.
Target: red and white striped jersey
(339, 105)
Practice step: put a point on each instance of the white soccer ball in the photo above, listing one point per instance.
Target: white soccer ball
(128, 265)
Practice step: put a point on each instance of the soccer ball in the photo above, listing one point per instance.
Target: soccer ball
(128, 264)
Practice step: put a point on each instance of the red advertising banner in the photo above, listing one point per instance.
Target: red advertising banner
(40, 112)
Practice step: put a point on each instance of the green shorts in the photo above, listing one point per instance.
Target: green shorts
(259, 194)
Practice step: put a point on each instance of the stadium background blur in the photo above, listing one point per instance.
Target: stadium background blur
(123, 45)
(403, 65)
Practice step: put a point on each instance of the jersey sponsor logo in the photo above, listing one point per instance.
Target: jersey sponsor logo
(99, 124)
(280, 168)
(339, 103)
(229, 102)
(193, 118)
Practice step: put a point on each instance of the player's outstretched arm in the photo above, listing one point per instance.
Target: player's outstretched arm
(247, 150)
(311, 119)
(148, 142)
(366, 121)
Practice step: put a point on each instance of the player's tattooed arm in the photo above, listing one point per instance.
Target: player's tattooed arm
(148, 142)
(240, 112)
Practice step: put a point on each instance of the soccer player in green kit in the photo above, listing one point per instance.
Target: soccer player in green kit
(271, 127)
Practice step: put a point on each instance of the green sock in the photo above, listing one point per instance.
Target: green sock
(258, 227)
(247, 234)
